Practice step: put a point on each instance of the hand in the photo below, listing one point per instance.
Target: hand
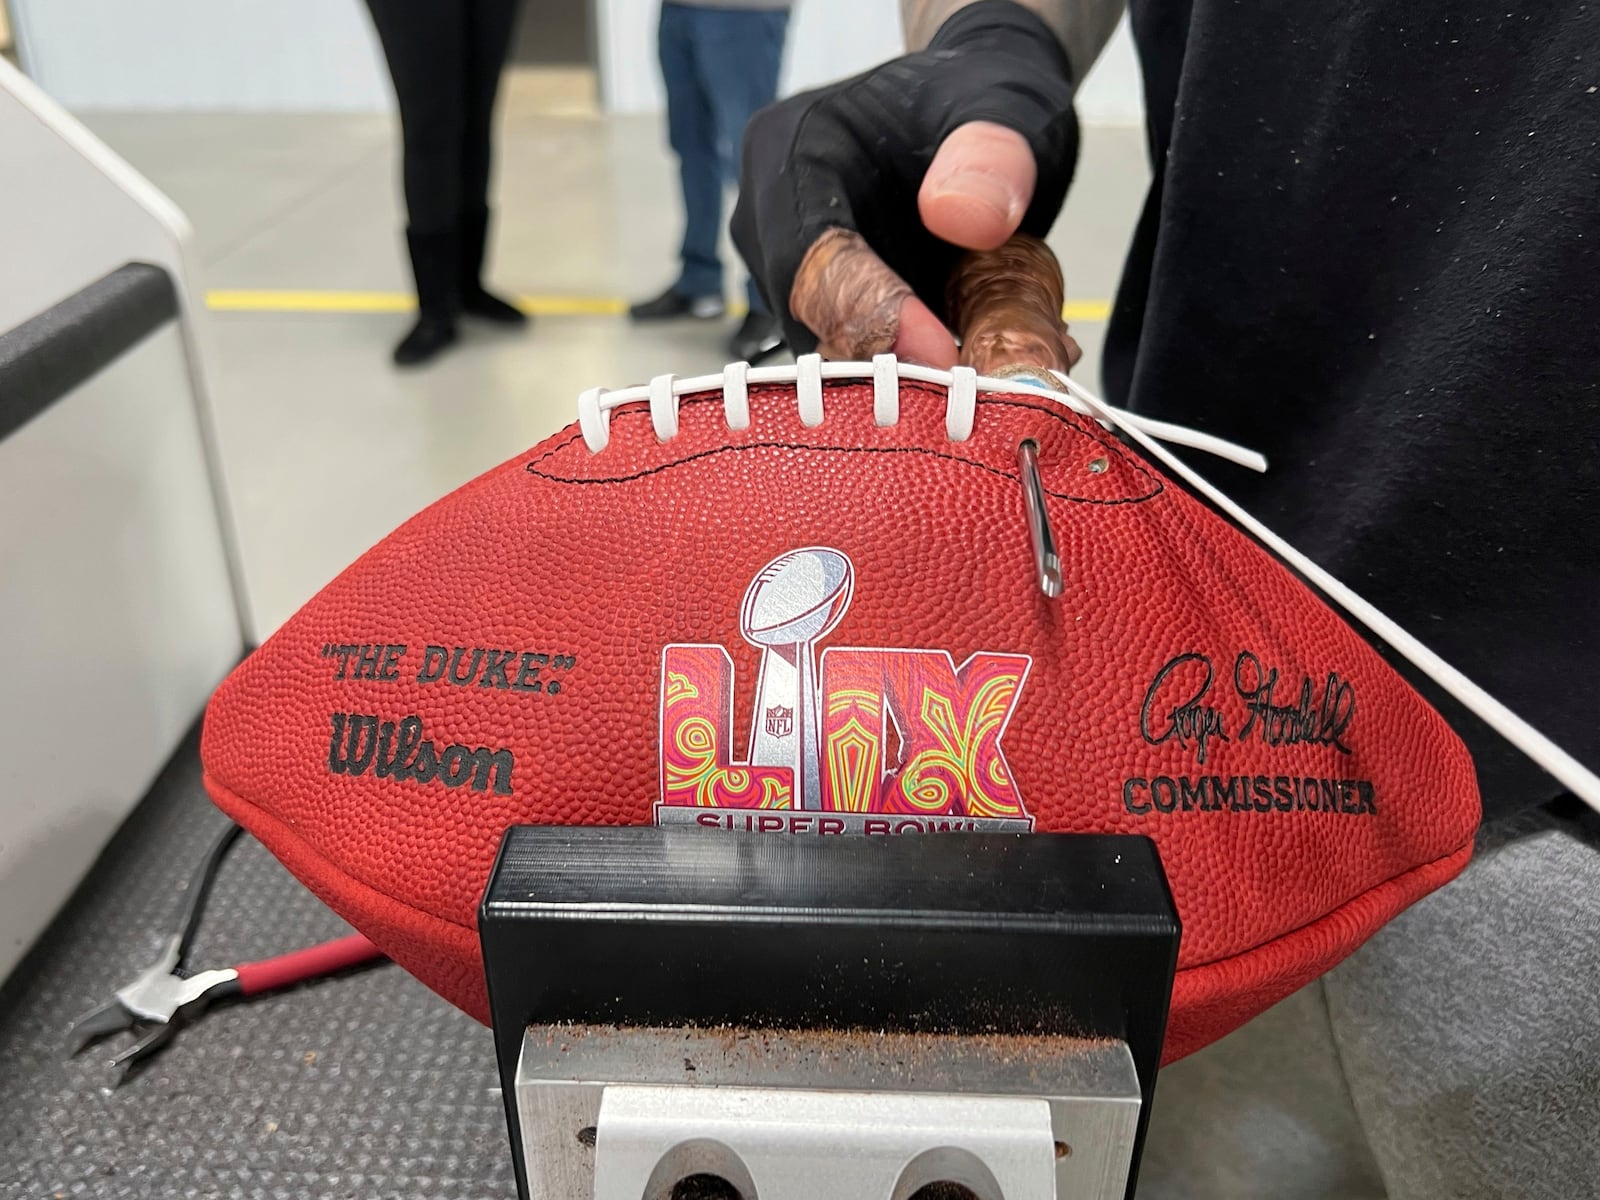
(859, 200)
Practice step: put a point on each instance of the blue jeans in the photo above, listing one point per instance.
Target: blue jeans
(720, 65)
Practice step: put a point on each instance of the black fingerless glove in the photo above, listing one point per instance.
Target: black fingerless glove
(853, 154)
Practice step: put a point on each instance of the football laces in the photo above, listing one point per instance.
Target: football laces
(808, 373)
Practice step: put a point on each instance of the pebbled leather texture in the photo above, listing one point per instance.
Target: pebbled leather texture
(1300, 799)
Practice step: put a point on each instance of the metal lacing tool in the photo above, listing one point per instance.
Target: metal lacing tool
(1046, 559)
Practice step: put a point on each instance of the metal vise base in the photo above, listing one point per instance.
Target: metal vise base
(628, 1113)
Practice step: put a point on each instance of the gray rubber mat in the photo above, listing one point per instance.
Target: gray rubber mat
(362, 1085)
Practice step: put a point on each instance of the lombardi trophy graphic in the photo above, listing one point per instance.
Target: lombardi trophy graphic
(790, 605)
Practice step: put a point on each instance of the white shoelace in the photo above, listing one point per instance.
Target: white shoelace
(886, 373)
(963, 385)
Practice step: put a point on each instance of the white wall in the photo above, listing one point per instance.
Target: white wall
(260, 55)
(1113, 93)
(829, 39)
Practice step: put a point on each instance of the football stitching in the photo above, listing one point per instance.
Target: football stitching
(1157, 485)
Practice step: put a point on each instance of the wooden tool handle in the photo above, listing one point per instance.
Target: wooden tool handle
(1005, 306)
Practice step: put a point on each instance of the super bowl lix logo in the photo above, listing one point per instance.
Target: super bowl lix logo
(854, 740)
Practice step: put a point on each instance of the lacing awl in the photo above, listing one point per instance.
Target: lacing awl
(1046, 559)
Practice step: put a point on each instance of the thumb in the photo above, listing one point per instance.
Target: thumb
(978, 186)
(857, 306)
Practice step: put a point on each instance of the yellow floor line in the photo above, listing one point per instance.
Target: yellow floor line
(1086, 310)
(259, 300)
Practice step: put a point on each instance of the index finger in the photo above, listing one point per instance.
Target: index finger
(857, 306)
(1007, 304)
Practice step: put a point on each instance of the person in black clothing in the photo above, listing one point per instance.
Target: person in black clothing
(445, 58)
(1371, 249)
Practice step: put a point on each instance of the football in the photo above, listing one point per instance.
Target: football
(806, 601)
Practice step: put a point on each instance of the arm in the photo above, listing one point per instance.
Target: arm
(1083, 26)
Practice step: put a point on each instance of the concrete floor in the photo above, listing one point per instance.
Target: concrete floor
(326, 447)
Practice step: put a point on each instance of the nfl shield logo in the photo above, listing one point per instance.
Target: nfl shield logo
(780, 721)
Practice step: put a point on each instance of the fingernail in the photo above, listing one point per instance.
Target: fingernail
(986, 188)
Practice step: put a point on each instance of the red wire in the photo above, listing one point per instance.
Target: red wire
(311, 963)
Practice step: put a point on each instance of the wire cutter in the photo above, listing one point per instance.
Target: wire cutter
(167, 993)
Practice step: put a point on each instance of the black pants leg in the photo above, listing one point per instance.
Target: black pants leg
(424, 42)
(486, 41)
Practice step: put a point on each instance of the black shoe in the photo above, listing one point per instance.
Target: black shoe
(435, 265)
(427, 338)
(488, 306)
(759, 335)
(475, 300)
(673, 303)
